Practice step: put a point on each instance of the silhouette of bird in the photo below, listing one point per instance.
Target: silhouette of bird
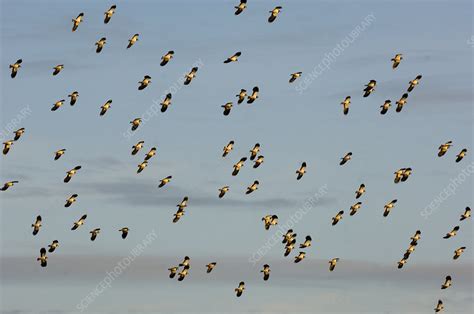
(15, 67)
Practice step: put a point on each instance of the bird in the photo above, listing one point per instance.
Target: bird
(74, 95)
(234, 57)
(406, 173)
(185, 261)
(124, 231)
(43, 259)
(443, 148)
(251, 98)
(332, 263)
(461, 155)
(228, 148)
(79, 223)
(227, 107)
(266, 272)
(273, 14)
(396, 60)
(94, 233)
(355, 208)
(458, 252)
(132, 40)
(466, 214)
(386, 105)
(77, 21)
(401, 263)
(253, 187)
(301, 171)
(210, 267)
(100, 44)
(254, 151)
(270, 220)
(165, 181)
(189, 77)
(413, 83)
(401, 102)
(346, 158)
(258, 161)
(289, 246)
(59, 153)
(58, 69)
(166, 58)
(151, 153)
(6, 146)
(7, 185)
(53, 246)
(70, 200)
(183, 204)
(338, 217)
(183, 273)
(173, 271)
(240, 289)
(166, 102)
(145, 82)
(105, 107)
(71, 173)
(179, 213)
(294, 76)
(370, 88)
(398, 175)
(288, 236)
(142, 166)
(241, 7)
(414, 239)
(306, 243)
(411, 248)
(241, 96)
(36, 225)
(299, 257)
(388, 207)
(223, 190)
(137, 147)
(58, 105)
(108, 14)
(360, 191)
(135, 123)
(238, 166)
(345, 105)
(15, 67)
(447, 283)
(452, 233)
(439, 307)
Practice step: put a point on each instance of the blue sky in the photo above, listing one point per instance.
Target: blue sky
(290, 125)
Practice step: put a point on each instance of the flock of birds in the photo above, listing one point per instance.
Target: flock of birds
(289, 238)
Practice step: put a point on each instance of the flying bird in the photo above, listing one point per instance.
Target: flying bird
(338, 217)
(70, 200)
(165, 181)
(273, 14)
(386, 105)
(15, 67)
(466, 214)
(223, 190)
(185, 262)
(234, 57)
(254, 151)
(79, 223)
(135, 123)
(7, 185)
(301, 171)
(36, 225)
(227, 107)
(416, 237)
(354, 208)
(258, 161)
(241, 96)
(58, 105)
(345, 105)
(166, 102)
(458, 252)
(447, 283)
(389, 207)
(228, 148)
(100, 44)
(105, 107)
(360, 191)
(401, 102)
(332, 263)
(241, 7)
(452, 233)
(266, 272)
(71, 173)
(346, 158)
(443, 148)
(251, 98)
(59, 153)
(210, 267)
(299, 257)
(53, 246)
(6, 146)
(94, 233)
(173, 271)
(401, 263)
(43, 259)
(396, 60)
(370, 88)
(137, 147)
(294, 76)
(166, 58)
(240, 289)
(288, 236)
(145, 82)
(151, 153)
(179, 213)
(183, 273)
(306, 243)
(461, 155)
(74, 95)
(270, 220)
(238, 166)
(77, 21)
(124, 231)
(413, 83)
(108, 14)
(141, 166)
(253, 187)
(439, 307)
(406, 173)
(132, 40)
(183, 204)
(189, 77)
(58, 69)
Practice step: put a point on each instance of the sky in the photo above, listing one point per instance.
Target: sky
(293, 123)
